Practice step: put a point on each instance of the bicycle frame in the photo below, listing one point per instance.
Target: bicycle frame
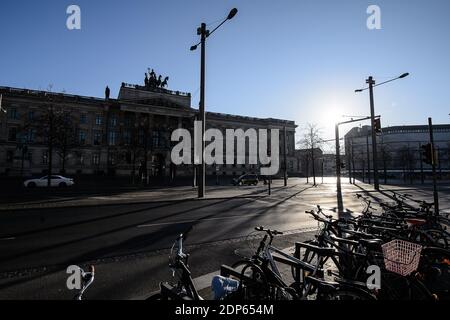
(185, 281)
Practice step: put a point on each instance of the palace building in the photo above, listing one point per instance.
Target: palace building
(117, 137)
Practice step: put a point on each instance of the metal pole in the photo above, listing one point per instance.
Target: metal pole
(270, 185)
(422, 178)
(146, 143)
(349, 161)
(435, 191)
(368, 158)
(313, 158)
(338, 159)
(353, 162)
(285, 157)
(322, 171)
(202, 168)
(439, 162)
(371, 83)
(50, 146)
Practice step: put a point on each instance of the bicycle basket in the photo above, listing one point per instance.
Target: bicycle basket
(401, 257)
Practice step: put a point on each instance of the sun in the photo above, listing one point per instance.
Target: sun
(332, 115)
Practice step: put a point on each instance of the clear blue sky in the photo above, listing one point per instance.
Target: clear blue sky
(291, 59)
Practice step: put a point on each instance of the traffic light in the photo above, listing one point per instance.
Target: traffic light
(427, 154)
(377, 125)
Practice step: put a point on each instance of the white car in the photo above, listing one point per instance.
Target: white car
(55, 181)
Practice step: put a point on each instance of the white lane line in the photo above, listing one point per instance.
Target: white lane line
(196, 220)
(7, 239)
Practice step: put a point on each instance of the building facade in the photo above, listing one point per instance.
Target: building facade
(399, 150)
(127, 136)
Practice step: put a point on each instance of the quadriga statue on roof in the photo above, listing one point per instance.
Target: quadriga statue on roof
(152, 81)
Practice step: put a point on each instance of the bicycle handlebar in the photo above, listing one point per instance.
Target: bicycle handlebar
(268, 231)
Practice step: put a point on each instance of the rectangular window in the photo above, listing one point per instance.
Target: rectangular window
(112, 159)
(112, 138)
(82, 137)
(113, 121)
(97, 138)
(31, 135)
(127, 137)
(155, 139)
(9, 156)
(141, 137)
(12, 134)
(128, 121)
(96, 159)
(98, 120)
(13, 114)
(81, 160)
(31, 115)
(83, 118)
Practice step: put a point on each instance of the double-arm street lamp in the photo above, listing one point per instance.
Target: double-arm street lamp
(204, 34)
(371, 82)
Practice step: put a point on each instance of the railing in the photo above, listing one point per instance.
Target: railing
(152, 89)
(46, 93)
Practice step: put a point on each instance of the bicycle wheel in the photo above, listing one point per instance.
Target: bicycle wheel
(435, 271)
(253, 284)
(395, 287)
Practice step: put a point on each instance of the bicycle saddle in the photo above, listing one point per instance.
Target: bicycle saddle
(373, 244)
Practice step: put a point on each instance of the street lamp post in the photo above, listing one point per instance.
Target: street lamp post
(376, 181)
(368, 157)
(285, 156)
(338, 159)
(371, 82)
(204, 34)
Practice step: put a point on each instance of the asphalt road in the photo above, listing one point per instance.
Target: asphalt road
(62, 236)
(40, 239)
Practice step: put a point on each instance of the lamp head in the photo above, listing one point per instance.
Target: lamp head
(232, 13)
(404, 75)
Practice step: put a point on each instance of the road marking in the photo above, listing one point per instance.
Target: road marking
(7, 239)
(196, 220)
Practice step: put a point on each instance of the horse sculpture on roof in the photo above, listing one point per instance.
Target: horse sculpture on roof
(152, 81)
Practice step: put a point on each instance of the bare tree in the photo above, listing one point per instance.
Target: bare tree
(312, 141)
(58, 132)
(66, 136)
(135, 145)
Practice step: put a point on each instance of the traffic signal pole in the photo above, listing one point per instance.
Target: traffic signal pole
(376, 181)
(433, 165)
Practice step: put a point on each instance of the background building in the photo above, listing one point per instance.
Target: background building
(399, 151)
(127, 136)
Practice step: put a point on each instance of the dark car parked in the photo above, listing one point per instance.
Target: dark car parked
(246, 180)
